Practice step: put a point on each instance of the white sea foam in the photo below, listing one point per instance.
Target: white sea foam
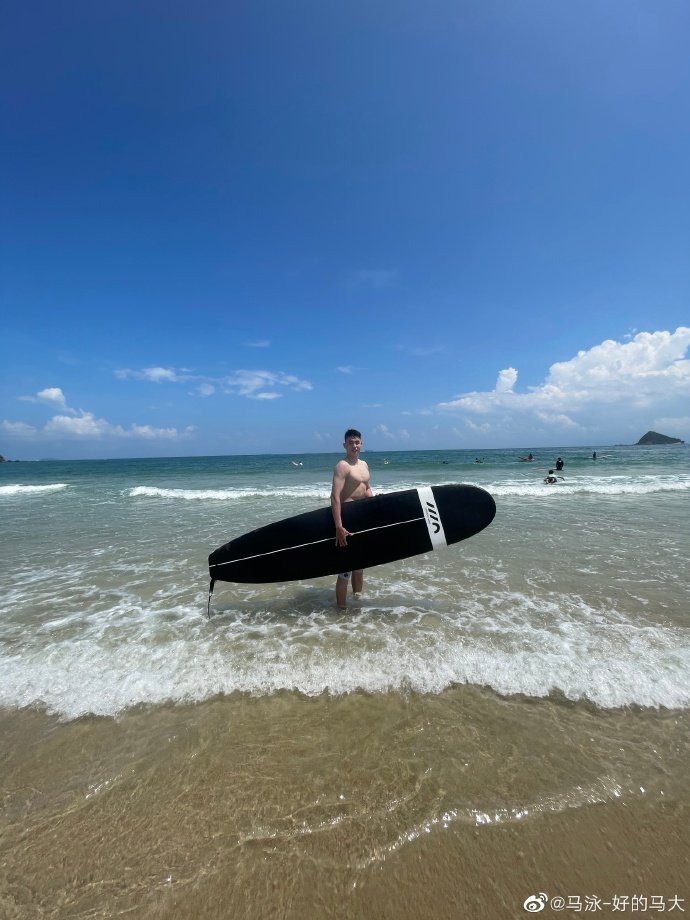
(609, 486)
(17, 489)
(228, 494)
(133, 653)
(613, 485)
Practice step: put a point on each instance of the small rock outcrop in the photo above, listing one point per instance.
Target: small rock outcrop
(653, 437)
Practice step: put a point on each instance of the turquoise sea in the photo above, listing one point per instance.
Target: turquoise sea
(287, 759)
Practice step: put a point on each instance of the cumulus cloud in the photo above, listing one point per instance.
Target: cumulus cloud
(51, 396)
(80, 424)
(506, 380)
(626, 383)
(83, 425)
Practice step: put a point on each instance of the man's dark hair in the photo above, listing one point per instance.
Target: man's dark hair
(352, 433)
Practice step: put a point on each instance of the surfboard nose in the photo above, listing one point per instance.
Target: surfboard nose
(464, 513)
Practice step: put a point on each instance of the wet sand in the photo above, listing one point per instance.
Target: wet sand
(382, 806)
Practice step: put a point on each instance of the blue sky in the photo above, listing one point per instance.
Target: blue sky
(243, 227)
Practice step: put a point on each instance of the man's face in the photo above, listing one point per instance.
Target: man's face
(353, 446)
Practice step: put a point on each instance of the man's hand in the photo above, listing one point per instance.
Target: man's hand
(341, 536)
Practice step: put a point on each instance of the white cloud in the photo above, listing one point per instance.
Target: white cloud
(149, 433)
(259, 343)
(205, 389)
(614, 385)
(506, 380)
(18, 429)
(258, 384)
(252, 384)
(51, 396)
(345, 369)
(84, 425)
(81, 424)
(155, 374)
(87, 426)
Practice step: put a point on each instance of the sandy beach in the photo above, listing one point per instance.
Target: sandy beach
(396, 806)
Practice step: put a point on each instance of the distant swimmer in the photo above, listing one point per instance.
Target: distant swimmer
(477, 460)
(551, 478)
(526, 459)
(594, 455)
(559, 464)
(297, 463)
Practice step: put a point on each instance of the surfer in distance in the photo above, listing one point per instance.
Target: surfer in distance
(350, 483)
(551, 477)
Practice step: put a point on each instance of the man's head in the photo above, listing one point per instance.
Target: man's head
(352, 443)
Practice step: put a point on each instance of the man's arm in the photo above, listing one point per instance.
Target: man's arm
(341, 534)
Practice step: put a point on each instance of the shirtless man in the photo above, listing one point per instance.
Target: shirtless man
(350, 483)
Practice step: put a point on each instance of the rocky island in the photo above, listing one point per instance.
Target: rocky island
(653, 437)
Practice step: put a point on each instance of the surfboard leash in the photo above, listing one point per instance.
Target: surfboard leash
(210, 592)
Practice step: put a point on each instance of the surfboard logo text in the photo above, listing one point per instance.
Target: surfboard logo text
(432, 516)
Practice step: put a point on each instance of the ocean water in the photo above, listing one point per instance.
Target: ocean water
(579, 588)
(428, 752)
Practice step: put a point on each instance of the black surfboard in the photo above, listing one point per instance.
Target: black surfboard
(383, 529)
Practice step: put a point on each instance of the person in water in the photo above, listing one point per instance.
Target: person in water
(559, 464)
(551, 477)
(350, 483)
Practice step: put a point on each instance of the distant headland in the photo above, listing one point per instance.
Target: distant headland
(653, 437)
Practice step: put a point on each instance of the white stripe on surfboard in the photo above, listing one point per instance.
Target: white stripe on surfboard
(287, 549)
(432, 517)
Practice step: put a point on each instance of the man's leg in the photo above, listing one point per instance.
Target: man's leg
(341, 589)
(358, 581)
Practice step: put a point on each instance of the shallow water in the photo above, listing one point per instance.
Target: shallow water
(579, 588)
